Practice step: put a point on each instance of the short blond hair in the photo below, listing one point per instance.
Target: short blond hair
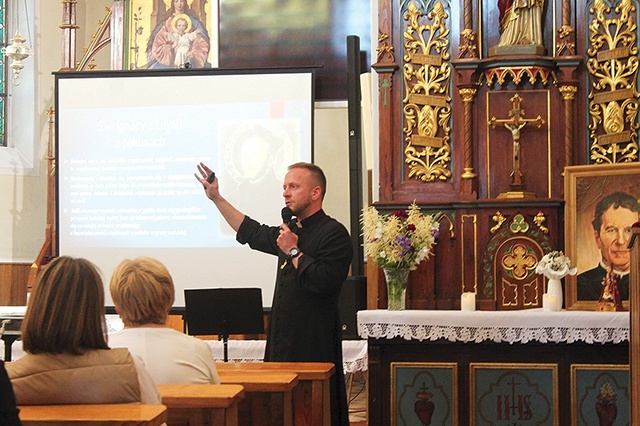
(142, 291)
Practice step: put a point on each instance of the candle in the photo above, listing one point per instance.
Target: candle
(548, 303)
(468, 301)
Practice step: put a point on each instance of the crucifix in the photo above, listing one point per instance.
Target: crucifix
(514, 123)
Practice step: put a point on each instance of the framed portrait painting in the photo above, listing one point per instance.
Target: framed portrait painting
(167, 34)
(601, 204)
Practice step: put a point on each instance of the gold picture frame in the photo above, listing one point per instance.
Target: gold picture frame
(152, 40)
(584, 186)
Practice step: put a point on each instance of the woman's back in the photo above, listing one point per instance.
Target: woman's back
(95, 377)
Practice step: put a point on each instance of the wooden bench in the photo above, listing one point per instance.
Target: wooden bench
(311, 398)
(268, 396)
(201, 404)
(94, 414)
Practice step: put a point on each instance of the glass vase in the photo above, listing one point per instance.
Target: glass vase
(396, 287)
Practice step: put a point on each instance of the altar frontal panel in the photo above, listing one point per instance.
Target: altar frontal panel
(513, 394)
(600, 394)
(424, 393)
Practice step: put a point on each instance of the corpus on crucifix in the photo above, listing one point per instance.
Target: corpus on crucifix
(514, 123)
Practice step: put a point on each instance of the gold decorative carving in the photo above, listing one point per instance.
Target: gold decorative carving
(499, 219)
(467, 94)
(613, 72)
(427, 101)
(539, 219)
(517, 73)
(509, 301)
(568, 92)
(519, 261)
(530, 288)
(565, 46)
(519, 224)
(385, 50)
(468, 45)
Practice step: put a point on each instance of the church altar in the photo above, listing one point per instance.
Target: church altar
(521, 326)
(461, 360)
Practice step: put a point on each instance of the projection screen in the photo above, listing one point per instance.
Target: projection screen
(127, 145)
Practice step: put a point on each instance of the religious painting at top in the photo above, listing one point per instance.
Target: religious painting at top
(166, 34)
(601, 204)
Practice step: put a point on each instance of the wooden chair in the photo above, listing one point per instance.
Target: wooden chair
(268, 396)
(93, 414)
(311, 398)
(201, 404)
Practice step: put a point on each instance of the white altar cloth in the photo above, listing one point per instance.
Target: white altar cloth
(521, 326)
(354, 352)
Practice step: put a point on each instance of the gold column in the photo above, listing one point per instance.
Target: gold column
(468, 94)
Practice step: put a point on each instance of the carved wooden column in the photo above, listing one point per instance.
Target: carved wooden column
(568, 93)
(385, 67)
(467, 185)
(566, 45)
(69, 28)
(468, 38)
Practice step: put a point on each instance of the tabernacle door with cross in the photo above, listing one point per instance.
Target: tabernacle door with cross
(515, 122)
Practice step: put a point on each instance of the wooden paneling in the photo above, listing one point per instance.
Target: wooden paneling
(13, 283)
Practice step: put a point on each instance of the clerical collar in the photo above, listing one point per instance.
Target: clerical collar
(615, 271)
(313, 219)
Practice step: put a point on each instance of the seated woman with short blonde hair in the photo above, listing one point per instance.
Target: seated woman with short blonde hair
(64, 334)
(143, 292)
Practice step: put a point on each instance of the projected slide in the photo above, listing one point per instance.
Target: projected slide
(127, 153)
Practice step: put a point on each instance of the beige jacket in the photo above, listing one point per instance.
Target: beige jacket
(95, 377)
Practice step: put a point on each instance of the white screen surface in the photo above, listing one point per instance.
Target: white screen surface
(127, 148)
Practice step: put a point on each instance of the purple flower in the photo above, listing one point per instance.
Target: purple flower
(405, 244)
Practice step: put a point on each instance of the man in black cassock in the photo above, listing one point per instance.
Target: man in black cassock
(313, 263)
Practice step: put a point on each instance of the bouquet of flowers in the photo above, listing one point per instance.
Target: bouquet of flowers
(399, 240)
(555, 265)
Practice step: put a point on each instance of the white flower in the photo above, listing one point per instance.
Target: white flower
(555, 265)
(398, 240)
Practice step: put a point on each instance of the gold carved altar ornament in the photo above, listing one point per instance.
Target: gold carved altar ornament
(613, 71)
(427, 101)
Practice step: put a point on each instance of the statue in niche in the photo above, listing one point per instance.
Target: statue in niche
(520, 28)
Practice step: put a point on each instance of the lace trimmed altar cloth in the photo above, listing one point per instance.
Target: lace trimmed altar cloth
(522, 326)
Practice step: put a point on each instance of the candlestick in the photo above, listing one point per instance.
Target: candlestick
(468, 301)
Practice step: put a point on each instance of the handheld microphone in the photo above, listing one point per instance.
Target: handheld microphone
(287, 214)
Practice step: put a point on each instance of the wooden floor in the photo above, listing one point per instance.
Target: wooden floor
(358, 401)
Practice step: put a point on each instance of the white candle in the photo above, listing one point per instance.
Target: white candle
(548, 303)
(468, 301)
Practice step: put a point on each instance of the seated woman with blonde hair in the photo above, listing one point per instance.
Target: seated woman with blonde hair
(143, 293)
(64, 334)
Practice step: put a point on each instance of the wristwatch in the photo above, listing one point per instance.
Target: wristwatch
(294, 252)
